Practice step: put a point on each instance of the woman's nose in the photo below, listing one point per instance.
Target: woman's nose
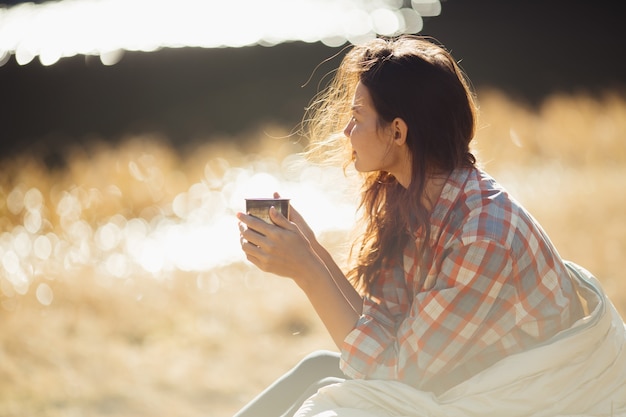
(348, 129)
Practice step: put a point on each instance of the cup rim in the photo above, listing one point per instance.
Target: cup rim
(266, 199)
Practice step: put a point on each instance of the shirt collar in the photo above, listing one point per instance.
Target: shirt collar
(450, 193)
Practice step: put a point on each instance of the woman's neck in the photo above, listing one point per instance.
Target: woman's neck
(432, 189)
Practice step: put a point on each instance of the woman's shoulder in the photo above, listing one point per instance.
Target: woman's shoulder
(473, 191)
(484, 209)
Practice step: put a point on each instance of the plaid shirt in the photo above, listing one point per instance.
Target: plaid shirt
(489, 284)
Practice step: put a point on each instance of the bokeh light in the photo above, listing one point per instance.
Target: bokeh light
(165, 225)
(57, 29)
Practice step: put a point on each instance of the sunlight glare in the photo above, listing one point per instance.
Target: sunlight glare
(57, 29)
(58, 230)
(411, 20)
(117, 265)
(33, 221)
(44, 294)
(33, 199)
(21, 242)
(385, 22)
(4, 57)
(15, 200)
(42, 247)
(427, 8)
(151, 256)
(11, 262)
(108, 236)
(358, 26)
(69, 208)
(109, 58)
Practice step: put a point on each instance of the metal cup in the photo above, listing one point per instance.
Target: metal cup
(260, 207)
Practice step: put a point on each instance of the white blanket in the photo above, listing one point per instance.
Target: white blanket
(580, 372)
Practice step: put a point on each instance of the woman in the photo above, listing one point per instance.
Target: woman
(452, 275)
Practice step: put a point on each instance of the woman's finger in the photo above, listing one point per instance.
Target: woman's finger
(253, 237)
(254, 223)
(253, 253)
(279, 219)
(295, 216)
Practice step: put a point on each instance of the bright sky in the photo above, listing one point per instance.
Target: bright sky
(52, 30)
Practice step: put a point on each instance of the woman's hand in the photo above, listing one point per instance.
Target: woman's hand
(296, 218)
(280, 248)
(289, 248)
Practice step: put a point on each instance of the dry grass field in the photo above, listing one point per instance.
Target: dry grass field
(123, 293)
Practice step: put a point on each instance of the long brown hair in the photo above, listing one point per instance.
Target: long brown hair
(417, 80)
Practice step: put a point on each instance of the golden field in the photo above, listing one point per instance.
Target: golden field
(122, 291)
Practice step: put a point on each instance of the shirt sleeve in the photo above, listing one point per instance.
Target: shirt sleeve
(371, 343)
(473, 308)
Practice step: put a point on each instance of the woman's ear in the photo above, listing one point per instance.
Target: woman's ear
(399, 130)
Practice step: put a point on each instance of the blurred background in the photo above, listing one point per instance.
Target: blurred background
(78, 69)
(132, 130)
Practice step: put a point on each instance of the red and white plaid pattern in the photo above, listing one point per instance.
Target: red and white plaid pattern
(490, 284)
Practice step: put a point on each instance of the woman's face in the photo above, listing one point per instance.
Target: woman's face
(372, 147)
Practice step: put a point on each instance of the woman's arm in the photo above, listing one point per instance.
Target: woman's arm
(344, 285)
(352, 296)
(342, 282)
(284, 249)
